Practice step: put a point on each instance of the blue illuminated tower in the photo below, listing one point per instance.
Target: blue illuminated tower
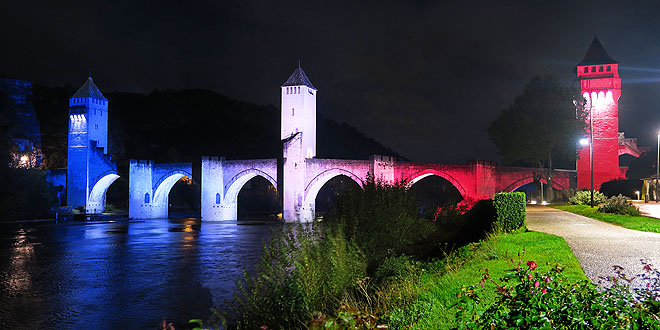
(89, 168)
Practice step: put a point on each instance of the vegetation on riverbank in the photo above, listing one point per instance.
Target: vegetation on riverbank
(434, 305)
(640, 223)
(375, 261)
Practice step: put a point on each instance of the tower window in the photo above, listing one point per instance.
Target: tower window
(96, 126)
(586, 69)
(593, 69)
(609, 68)
(293, 111)
(298, 90)
(600, 68)
(217, 198)
(146, 197)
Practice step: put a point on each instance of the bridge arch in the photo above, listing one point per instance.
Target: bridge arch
(96, 200)
(164, 185)
(315, 185)
(521, 182)
(415, 177)
(236, 183)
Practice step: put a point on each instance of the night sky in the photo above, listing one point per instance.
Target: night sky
(424, 78)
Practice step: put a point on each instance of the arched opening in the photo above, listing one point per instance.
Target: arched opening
(96, 200)
(234, 186)
(330, 191)
(184, 199)
(532, 189)
(116, 200)
(258, 200)
(433, 191)
(315, 185)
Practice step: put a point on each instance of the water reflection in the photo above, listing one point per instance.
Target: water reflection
(120, 275)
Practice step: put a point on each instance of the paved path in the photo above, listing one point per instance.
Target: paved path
(651, 209)
(597, 245)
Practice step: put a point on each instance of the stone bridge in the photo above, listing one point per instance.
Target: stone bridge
(303, 178)
(298, 175)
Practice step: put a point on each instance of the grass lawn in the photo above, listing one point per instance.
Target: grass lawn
(438, 286)
(631, 222)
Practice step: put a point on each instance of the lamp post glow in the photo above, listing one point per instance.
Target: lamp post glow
(637, 192)
(657, 170)
(585, 142)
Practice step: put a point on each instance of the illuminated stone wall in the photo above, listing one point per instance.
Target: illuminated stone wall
(222, 181)
(90, 171)
(149, 186)
(303, 175)
(602, 90)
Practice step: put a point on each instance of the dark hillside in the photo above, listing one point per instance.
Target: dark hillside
(175, 126)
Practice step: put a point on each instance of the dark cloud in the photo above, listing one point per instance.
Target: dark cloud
(423, 77)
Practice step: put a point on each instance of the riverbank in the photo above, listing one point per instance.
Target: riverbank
(439, 282)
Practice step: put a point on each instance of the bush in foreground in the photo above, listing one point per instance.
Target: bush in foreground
(583, 197)
(619, 205)
(304, 269)
(510, 208)
(529, 299)
(382, 220)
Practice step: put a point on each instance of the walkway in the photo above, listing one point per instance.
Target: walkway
(651, 209)
(597, 245)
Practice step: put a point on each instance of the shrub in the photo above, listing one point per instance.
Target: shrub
(563, 195)
(303, 270)
(529, 299)
(382, 220)
(510, 208)
(583, 197)
(393, 269)
(619, 205)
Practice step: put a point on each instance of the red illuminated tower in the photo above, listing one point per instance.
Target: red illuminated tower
(600, 84)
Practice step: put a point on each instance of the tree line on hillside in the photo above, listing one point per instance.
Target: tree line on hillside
(176, 126)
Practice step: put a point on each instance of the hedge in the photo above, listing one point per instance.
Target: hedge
(510, 208)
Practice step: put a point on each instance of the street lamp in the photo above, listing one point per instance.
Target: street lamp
(585, 142)
(657, 170)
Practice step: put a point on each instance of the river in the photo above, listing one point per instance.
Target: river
(121, 274)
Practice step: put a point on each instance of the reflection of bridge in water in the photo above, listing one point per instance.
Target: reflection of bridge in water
(298, 175)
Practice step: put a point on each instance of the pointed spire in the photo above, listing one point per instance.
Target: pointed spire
(596, 54)
(89, 89)
(299, 78)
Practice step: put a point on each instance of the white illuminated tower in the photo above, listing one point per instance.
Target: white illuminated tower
(299, 111)
(87, 142)
(299, 136)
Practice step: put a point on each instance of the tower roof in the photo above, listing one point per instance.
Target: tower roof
(299, 78)
(89, 89)
(596, 54)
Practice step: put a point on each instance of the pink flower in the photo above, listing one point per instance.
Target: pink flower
(544, 290)
(536, 284)
(547, 280)
(529, 276)
(532, 265)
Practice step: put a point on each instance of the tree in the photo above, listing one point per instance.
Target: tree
(541, 127)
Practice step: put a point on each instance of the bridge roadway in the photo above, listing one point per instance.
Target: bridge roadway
(597, 245)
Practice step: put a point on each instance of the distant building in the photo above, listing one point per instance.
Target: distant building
(26, 147)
